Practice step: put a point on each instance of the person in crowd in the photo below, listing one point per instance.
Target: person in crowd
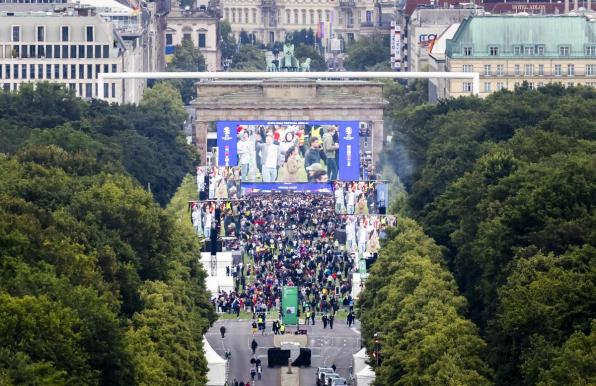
(269, 159)
(292, 169)
(313, 154)
(330, 148)
(244, 150)
(222, 330)
(253, 346)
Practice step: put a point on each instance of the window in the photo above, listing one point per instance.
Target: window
(202, 40)
(540, 50)
(570, 69)
(590, 69)
(106, 68)
(327, 16)
(296, 21)
(312, 16)
(493, 51)
(516, 70)
(319, 16)
(98, 51)
(590, 50)
(558, 71)
(31, 71)
(65, 52)
(106, 51)
(113, 90)
(73, 52)
(304, 16)
(16, 71)
(246, 16)
(40, 71)
(169, 40)
(41, 33)
(487, 69)
(517, 50)
(528, 51)
(500, 86)
(186, 36)
(487, 86)
(467, 86)
(541, 69)
(89, 33)
(254, 16)
(106, 90)
(49, 52)
(89, 52)
(56, 71)
(65, 71)
(56, 51)
(7, 71)
(41, 51)
(88, 90)
(65, 33)
(73, 71)
(16, 33)
(468, 68)
(81, 72)
(97, 70)
(529, 69)
(500, 69)
(288, 17)
(81, 52)
(369, 16)
(114, 68)
(89, 71)
(467, 51)
(564, 51)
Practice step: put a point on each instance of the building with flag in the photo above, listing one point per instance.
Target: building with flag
(271, 20)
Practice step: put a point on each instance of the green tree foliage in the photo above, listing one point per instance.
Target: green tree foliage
(367, 52)
(143, 141)
(303, 36)
(187, 58)
(98, 284)
(227, 40)
(508, 184)
(249, 58)
(412, 301)
(317, 62)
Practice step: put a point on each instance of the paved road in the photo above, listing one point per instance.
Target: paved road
(327, 346)
(331, 347)
(237, 340)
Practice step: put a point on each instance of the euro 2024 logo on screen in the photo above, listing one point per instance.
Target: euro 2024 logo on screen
(226, 134)
(349, 136)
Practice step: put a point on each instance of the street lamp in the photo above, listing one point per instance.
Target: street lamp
(377, 347)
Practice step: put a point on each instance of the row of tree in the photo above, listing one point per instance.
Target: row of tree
(98, 284)
(411, 302)
(143, 141)
(508, 186)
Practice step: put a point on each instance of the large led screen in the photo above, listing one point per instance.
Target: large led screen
(291, 151)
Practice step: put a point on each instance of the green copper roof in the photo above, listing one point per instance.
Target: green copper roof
(507, 32)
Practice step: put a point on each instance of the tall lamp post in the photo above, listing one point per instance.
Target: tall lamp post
(377, 348)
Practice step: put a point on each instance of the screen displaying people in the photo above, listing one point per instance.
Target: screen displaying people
(288, 152)
(359, 197)
(204, 216)
(224, 182)
(363, 233)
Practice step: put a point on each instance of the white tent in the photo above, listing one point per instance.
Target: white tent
(225, 283)
(212, 285)
(216, 375)
(359, 360)
(365, 377)
(356, 281)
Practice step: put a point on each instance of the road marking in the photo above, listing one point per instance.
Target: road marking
(356, 331)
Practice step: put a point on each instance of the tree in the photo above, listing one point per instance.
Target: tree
(227, 40)
(366, 52)
(187, 58)
(304, 51)
(304, 36)
(249, 58)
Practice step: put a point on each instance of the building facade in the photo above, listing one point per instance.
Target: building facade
(510, 50)
(63, 48)
(201, 25)
(270, 20)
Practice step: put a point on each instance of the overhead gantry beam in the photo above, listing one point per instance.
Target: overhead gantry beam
(348, 75)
